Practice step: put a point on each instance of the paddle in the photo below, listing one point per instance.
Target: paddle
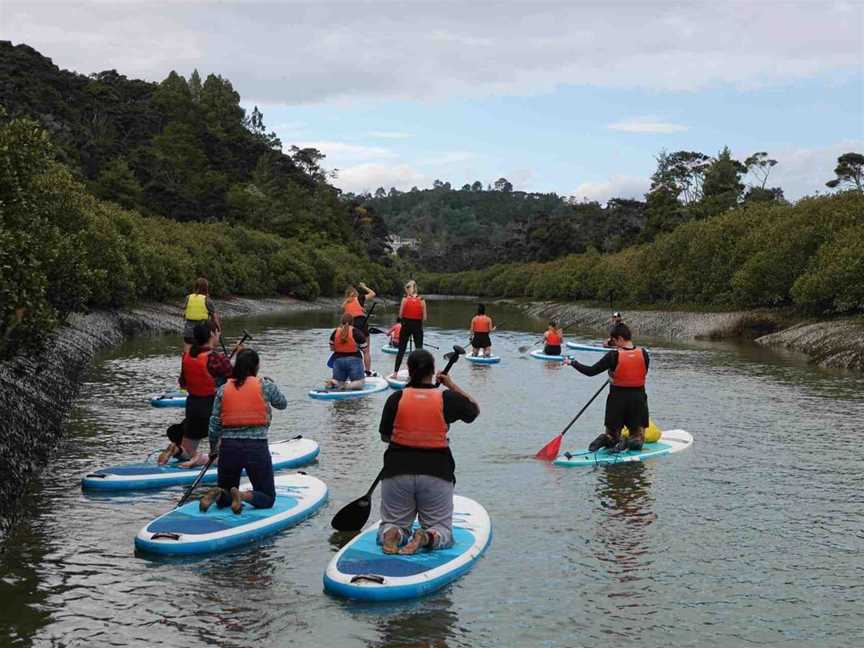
(550, 451)
(197, 481)
(353, 516)
(246, 336)
(332, 357)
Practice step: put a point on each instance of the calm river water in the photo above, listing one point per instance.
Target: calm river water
(752, 537)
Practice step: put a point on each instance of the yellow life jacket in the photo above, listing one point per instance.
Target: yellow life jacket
(196, 307)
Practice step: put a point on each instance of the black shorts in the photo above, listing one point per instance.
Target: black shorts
(552, 349)
(481, 341)
(626, 407)
(196, 428)
(362, 324)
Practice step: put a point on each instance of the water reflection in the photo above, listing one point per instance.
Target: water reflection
(428, 627)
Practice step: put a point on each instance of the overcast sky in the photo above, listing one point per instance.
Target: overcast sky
(572, 97)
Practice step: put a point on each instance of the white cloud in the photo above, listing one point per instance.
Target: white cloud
(329, 52)
(804, 171)
(647, 125)
(368, 177)
(619, 186)
(343, 152)
(393, 135)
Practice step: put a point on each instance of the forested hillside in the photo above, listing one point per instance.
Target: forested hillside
(114, 190)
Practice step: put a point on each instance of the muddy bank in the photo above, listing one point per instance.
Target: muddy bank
(37, 392)
(836, 344)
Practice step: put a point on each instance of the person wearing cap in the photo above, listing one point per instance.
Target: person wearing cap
(613, 321)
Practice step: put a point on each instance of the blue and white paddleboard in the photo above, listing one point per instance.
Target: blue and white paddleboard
(390, 349)
(175, 398)
(483, 360)
(544, 356)
(290, 453)
(587, 347)
(371, 385)
(362, 571)
(186, 530)
(671, 441)
(400, 381)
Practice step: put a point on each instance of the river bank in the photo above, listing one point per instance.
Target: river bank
(836, 344)
(36, 392)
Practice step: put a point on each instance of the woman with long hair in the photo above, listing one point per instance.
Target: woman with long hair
(354, 304)
(412, 314)
(239, 425)
(347, 344)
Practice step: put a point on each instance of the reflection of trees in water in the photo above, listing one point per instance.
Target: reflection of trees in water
(622, 539)
(427, 626)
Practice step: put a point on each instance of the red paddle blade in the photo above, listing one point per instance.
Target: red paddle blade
(549, 452)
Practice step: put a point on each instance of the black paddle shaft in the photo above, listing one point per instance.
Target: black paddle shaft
(593, 398)
(197, 481)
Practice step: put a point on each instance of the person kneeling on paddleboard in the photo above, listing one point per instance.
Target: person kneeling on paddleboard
(419, 472)
(552, 338)
(481, 326)
(238, 432)
(627, 402)
(393, 334)
(347, 344)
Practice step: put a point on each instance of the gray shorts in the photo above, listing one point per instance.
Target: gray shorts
(405, 498)
(189, 330)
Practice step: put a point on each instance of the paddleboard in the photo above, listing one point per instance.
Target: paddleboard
(362, 571)
(543, 356)
(587, 347)
(371, 385)
(671, 441)
(390, 349)
(400, 381)
(290, 453)
(175, 398)
(483, 360)
(186, 530)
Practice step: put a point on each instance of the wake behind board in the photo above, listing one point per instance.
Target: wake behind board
(186, 530)
(671, 441)
(390, 349)
(362, 571)
(545, 356)
(483, 360)
(371, 385)
(175, 398)
(587, 347)
(400, 381)
(290, 453)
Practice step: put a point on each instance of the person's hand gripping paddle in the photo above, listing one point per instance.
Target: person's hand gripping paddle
(353, 516)
(549, 452)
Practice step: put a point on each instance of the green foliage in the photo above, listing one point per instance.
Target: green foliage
(763, 254)
(849, 172)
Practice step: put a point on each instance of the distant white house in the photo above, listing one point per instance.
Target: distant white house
(396, 242)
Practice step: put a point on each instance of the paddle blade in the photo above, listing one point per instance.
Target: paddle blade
(549, 452)
(353, 516)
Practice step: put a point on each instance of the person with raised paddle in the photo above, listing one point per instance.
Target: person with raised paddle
(347, 344)
(199, 309)
(354, 304)
(553, 338)
(239, 425)
(418, 477)
(481, 327)
(627, 402)
(412, 314)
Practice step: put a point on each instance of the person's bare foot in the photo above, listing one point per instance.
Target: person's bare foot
(166, 454)
(390, 541)
(209, 497)
(236, 501)
(418, 540)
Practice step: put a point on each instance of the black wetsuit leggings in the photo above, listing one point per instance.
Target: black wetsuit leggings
(410, 328)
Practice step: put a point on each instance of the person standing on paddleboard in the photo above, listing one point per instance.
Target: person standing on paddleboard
(419, 472)
(238, 432)
(199, 309)
(481, 326)
(613, 322)
(354, 304)
(347, 344)
(627, 402)
(412, 314)
(552, 339)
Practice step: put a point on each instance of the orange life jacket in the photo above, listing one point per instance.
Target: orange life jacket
(413, 308)
(420, 419)
(631, 370)
(481, 323)
(353, 308)
(348, 346)
(199, 382)
(553, 338)
(244, 407)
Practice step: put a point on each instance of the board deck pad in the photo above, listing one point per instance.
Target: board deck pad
(372, 385)
(186, 530)
(362, 571)
(671, 441)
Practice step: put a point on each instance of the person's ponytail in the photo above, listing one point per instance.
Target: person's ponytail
(345, 327)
